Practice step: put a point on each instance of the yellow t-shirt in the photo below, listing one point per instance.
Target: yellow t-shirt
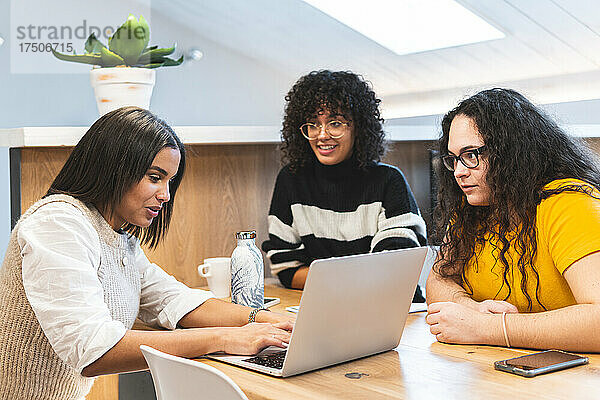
(568, 229)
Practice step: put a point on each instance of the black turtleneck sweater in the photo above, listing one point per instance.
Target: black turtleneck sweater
(330, 211)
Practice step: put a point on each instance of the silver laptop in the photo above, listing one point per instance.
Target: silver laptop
(351, 307)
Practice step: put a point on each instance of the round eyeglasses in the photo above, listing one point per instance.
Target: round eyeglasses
(468, 158)
(335, 129)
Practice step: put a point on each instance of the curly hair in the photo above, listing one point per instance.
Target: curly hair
(526, 150)
(340, 91)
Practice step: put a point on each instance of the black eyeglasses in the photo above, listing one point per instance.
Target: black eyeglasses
(468, 158)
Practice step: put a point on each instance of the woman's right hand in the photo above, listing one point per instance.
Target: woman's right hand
(252, 338)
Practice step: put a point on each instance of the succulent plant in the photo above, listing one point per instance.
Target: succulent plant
(128, 46)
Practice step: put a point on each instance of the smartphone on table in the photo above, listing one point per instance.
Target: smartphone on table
(540, 363)
(271, 301)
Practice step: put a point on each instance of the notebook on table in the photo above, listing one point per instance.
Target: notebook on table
(351, 307)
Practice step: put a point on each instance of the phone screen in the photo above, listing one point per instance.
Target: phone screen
(540, 363)
(543, 359)
(271, 301)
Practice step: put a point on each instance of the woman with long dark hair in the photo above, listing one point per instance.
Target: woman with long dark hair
(333, 197)
(519, 217)
(75, 278)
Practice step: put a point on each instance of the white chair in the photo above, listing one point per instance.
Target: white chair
(177, 378)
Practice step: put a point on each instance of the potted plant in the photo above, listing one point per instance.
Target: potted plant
(123, 72)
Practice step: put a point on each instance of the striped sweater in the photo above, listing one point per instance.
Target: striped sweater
(330, 211)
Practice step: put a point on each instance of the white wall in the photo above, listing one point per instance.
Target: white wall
(574, 112)
(223, 88)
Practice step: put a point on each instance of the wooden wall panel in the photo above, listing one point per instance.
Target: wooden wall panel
(227, 188)
(413, 159)
(39, 167)
(594, 144)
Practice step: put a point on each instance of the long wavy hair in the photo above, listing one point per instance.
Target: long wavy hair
(113, 156)
(342, 92)
(526, 150)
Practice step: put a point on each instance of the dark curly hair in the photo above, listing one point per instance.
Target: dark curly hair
(343, 92)
(526, 150)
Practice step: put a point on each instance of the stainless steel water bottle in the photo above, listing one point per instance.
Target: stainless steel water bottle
(247, 272)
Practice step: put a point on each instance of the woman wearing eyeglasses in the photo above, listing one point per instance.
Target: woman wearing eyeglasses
(333, 197)
(519, 208)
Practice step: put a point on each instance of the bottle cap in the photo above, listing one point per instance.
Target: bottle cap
(245, 235)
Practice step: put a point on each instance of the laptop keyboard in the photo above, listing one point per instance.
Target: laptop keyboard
(271, 360)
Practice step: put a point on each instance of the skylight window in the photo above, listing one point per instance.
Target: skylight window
(410, 26)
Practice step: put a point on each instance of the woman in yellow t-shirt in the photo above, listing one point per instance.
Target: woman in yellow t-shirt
(519, 209)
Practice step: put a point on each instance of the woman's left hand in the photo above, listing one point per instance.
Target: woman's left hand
(456, 323)
(281, 321)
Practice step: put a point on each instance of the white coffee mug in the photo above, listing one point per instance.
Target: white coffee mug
(217, 272)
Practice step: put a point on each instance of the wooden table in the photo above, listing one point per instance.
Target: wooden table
(419, 368)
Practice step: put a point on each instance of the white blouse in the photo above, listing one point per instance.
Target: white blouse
(61, 257)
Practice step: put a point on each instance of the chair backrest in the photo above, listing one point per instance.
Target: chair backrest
(177, 378)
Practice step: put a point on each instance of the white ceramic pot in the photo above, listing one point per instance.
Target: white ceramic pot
(122, 86)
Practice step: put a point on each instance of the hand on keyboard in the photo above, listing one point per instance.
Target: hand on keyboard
(252, 338)
(272, 360)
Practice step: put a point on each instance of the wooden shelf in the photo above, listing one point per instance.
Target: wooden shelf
(69, 136)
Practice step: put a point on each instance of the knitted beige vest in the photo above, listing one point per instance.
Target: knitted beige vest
(29, 367)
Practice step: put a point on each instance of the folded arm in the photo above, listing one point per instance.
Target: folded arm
(573, 328)
(441, 289)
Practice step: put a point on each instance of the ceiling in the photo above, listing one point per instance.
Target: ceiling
(551, 50)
